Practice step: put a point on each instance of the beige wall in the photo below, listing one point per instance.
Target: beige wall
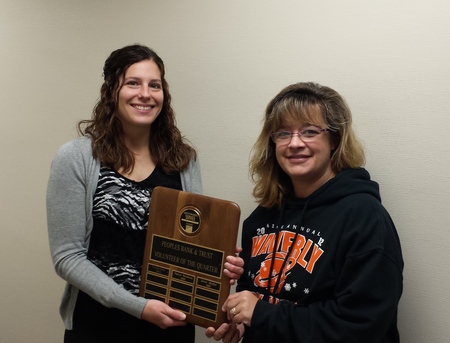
(225, 60)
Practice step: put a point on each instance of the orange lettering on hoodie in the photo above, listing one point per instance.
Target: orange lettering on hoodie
(317, 252)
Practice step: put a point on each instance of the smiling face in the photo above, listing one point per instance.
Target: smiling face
(307, 164)
(140, 98)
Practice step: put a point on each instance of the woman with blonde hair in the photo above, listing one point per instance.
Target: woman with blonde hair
(322, 257)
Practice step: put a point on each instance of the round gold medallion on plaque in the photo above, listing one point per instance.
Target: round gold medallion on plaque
(190, 220)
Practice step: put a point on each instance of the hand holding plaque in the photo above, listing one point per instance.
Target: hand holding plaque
(189, 235)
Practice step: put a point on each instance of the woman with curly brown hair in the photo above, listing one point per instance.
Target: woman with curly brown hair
(98, 199)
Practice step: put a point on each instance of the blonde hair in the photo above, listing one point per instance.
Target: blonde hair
(308, 103)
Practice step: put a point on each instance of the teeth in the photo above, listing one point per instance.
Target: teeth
(142, 108)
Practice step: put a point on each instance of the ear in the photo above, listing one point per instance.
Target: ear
(334, 141)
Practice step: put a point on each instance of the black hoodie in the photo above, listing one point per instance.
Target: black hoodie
(342, 279)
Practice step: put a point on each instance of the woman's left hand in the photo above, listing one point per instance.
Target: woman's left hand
(240, 306)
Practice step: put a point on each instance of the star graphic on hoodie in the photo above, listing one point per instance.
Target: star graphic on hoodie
(306, 290)
(263, 265)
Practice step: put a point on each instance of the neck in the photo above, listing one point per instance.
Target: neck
(138, 144)
(304, 188)
(143, 161)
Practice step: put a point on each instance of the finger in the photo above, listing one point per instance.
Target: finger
(233, 276)
(209, 332)
(233, 282)
(176, 315)
(233, 267)
(232, 312)
(235, 261)
(165, 322)
(236, 336)
(228, 336)
(218, 333)
(225, 305)
(233, 298)
(176, 323)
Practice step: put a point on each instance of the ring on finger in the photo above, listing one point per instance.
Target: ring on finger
(233, 311)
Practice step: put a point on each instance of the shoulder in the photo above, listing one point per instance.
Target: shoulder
(361, 206)
(191, 178)
(81, 145)
(74, 154)
(360, 201)
(194, 165)
(365, 223)
(261, 213)
(360, 212)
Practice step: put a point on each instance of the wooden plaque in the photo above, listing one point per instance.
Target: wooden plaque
(189, 235)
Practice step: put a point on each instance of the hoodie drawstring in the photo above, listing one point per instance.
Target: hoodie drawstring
(280, 218)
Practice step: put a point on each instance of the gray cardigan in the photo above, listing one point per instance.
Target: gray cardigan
(71, 186)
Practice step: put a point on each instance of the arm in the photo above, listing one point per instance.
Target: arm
(359, 302)
(69, 207)
(71, 186)
(364, 306)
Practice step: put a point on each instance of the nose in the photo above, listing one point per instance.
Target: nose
(295, 141)
(144, 92)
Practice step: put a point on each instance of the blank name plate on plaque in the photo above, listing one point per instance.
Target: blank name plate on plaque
(189, 235)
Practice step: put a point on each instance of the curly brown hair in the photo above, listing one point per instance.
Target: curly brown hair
(168, 147)
(308, 103)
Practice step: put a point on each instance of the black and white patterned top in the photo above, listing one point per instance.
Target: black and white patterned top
(120, 211)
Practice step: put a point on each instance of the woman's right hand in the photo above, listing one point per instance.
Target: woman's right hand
(158, 313)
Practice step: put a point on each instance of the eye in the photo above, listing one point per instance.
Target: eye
(283, 135)
(310, 132)
(155, 85)
(132, 83)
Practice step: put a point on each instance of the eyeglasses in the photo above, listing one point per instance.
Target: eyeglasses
(306, 135)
